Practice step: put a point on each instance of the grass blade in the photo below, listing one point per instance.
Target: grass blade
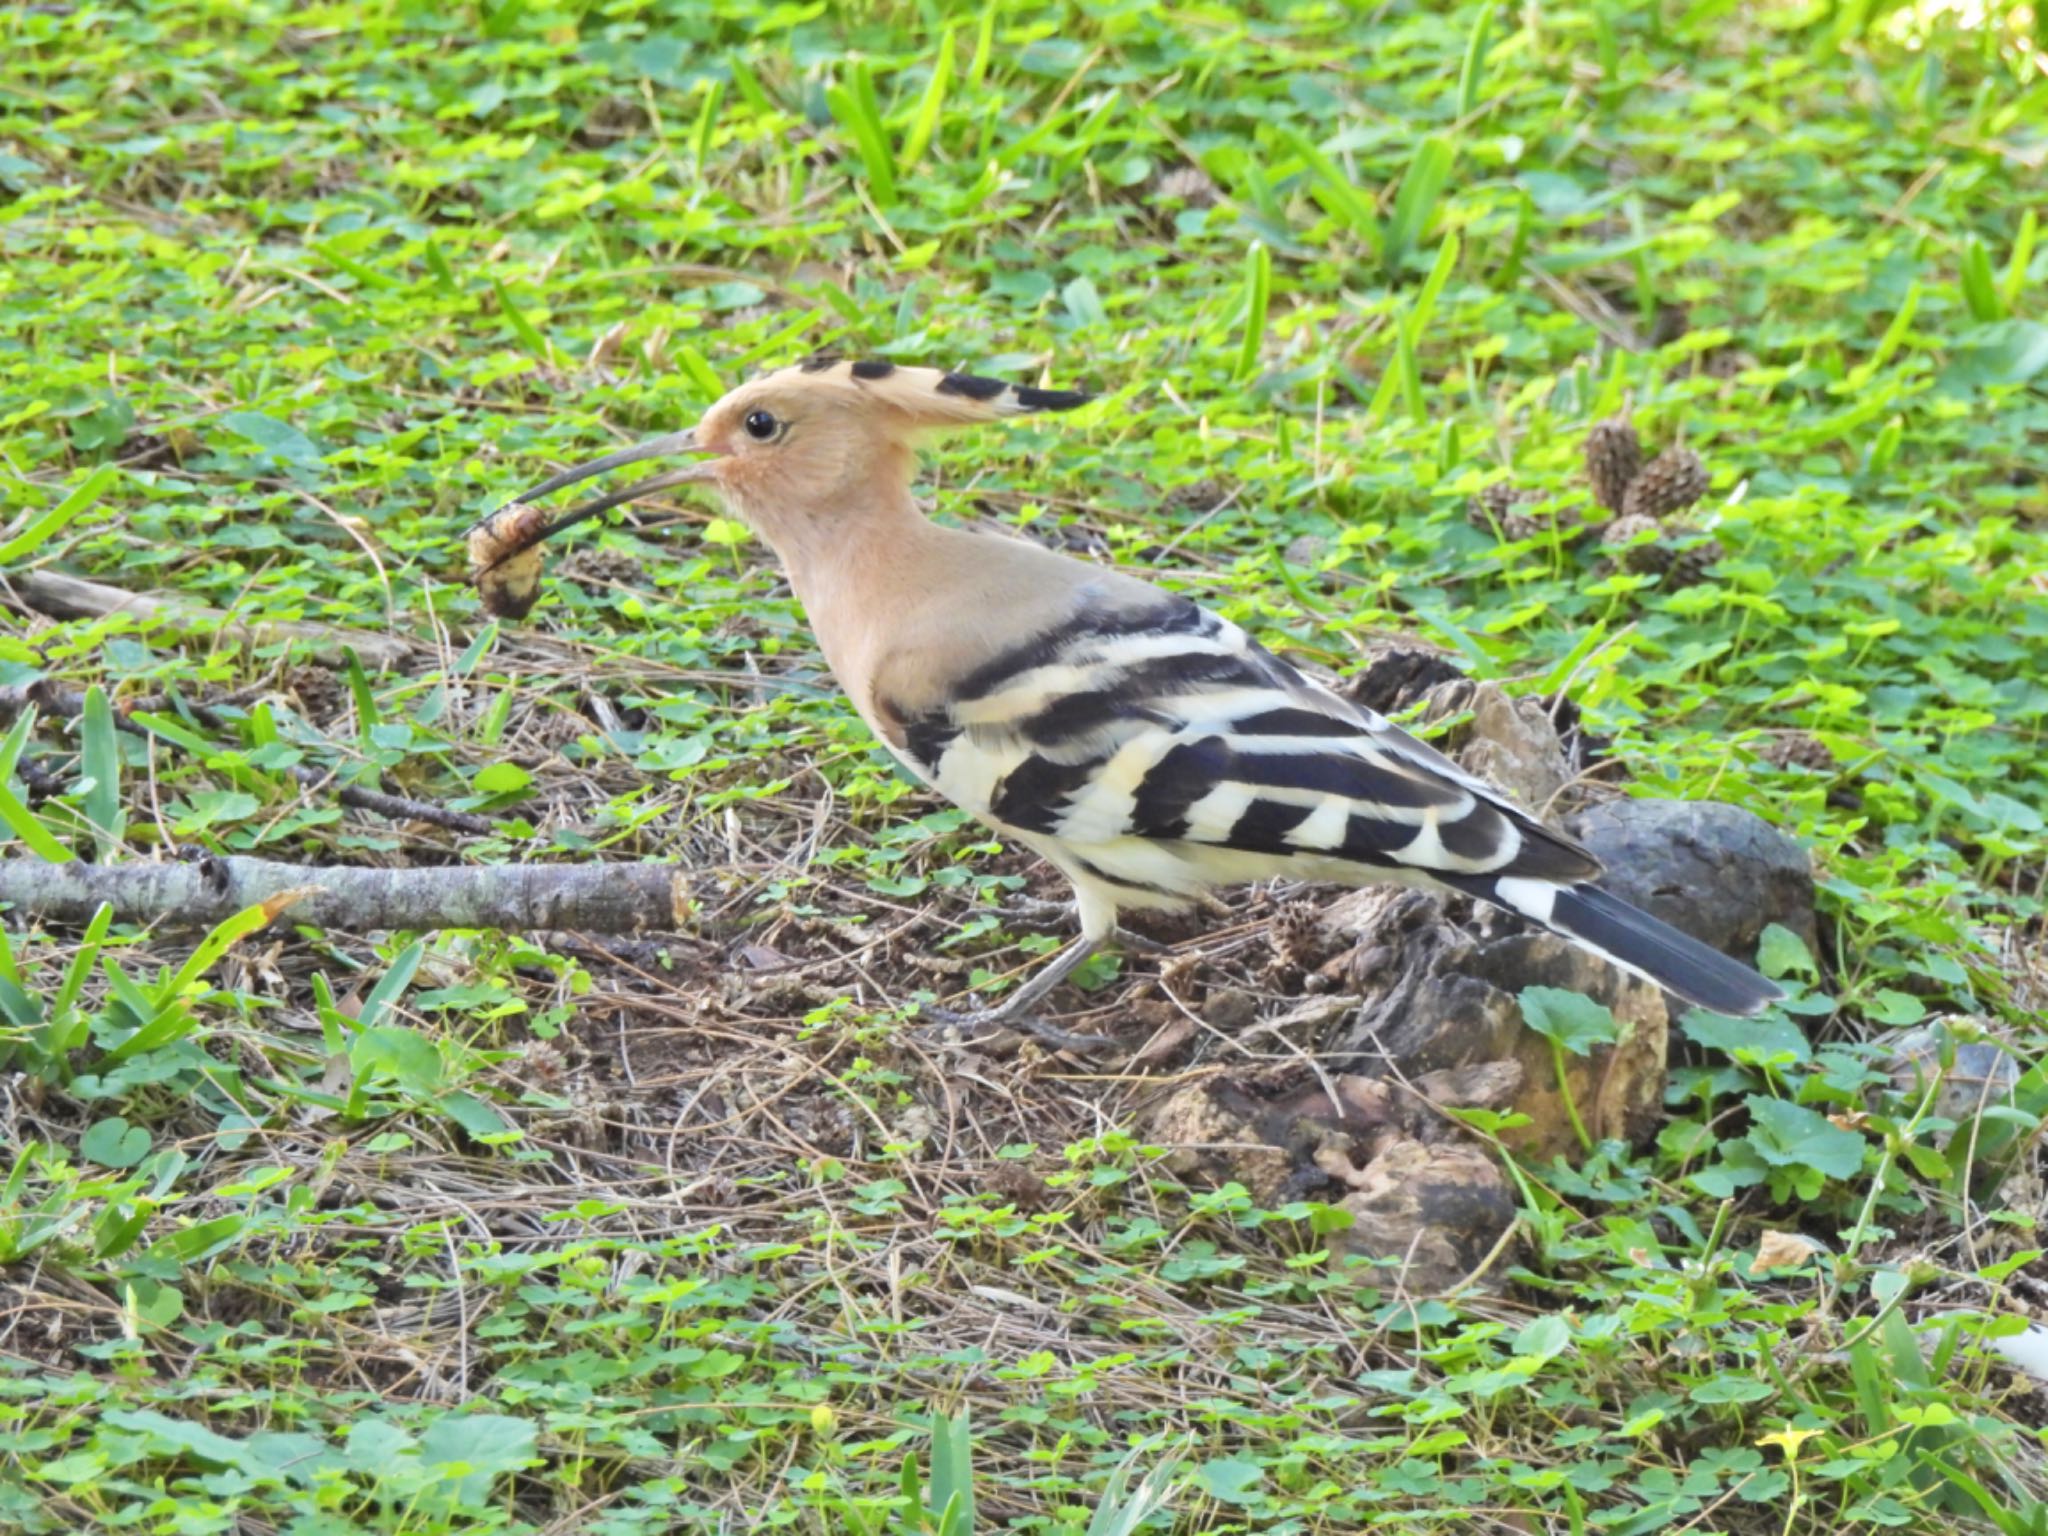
(52, 522)
(953, 1475)
(1433, 287)
(535, 343)
(1342, 201)
(1472, 74)
(27, 826)
(2022, 255)
(224, 935)
(1415, 203)
(1860, 376)
(1980, 290)
(100, 757)
(702, 136)
(856, 110)
(11, 748)
(1258, 290)
(933, 105)
(391, 986)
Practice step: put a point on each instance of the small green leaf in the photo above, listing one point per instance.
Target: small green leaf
(405, 1056)
(277, 439)
(501, 779)
(1576, 1023)
(1231, 1479)
(1732, 1389)
(1544, 1337)
(1791, 1134)
(1781, 952)
(210, 807)
(114, 1143)
(474, 1115)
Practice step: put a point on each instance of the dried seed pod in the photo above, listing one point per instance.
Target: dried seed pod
(1797, 749)
(1189, 184)
(504, 559)
(1297, 934)
(547, 1065)
(1693, 564)
(594, 565)
(1614, 457)
(322, 693)
(1199, 496)
(1645, 558)
(1498, 506)
(1669, 483)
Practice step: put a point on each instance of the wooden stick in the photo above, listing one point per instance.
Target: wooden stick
(72, 597)
(595, 898)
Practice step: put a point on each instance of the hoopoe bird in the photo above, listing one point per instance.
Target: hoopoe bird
(1148, 749)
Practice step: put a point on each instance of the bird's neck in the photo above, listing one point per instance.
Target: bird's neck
(851, 567)
(853, 546)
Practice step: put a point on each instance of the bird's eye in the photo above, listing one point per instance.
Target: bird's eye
(760, 425)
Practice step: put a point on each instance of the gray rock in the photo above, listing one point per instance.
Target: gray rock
(1980, 1072)
(1509, 742)
(1717, 872)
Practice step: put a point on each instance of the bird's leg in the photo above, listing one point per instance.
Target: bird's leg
(1127, 939)
(1018, 1011)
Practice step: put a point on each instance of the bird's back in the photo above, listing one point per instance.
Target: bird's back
(1164, 750)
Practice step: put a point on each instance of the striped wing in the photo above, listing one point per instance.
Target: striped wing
(1163, 749)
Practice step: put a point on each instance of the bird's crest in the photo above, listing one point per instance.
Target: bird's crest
(930, 397)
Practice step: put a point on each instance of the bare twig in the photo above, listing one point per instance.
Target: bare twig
(72, 597)
(593, 898)
(68, 703)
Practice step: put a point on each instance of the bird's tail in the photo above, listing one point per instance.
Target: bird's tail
(1633, 940)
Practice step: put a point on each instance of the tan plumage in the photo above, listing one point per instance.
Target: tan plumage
(1147, 748)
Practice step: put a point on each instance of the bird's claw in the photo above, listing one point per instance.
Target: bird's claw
(988, 1026)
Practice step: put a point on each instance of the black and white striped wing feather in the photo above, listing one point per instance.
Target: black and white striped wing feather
(1154, 751)
(1170, 751)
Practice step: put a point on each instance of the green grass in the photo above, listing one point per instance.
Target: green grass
(310, 1234)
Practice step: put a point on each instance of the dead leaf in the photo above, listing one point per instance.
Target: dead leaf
(1166, 1039)
(275, 906)
(1782, 1250)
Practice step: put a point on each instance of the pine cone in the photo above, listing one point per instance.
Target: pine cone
(1669, 483)
(1297, 934)
(1614, 456)
(546, 1065)
(322, 694)
(1645, 559)
(1693, 564)
(553, 729)
(1190, 184)
(593, 565)
(1797, 749)
(1199, 496)
(1495, 507)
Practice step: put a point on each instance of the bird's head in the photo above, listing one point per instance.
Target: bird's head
(810, 439)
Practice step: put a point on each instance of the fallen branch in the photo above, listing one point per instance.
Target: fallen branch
(594, 898)
(72, 597)
(68, 703)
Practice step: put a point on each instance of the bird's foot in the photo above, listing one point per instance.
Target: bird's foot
(1139, 944)
(997, 1027)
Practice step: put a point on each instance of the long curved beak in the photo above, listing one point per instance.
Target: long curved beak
(666, 446)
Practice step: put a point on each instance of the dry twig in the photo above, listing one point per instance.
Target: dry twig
(595, 898)
(72, 597)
